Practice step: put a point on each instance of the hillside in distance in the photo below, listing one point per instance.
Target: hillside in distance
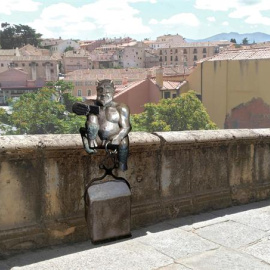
(252, 37)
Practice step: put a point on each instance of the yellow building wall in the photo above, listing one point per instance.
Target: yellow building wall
(226, 84)
(194, 79)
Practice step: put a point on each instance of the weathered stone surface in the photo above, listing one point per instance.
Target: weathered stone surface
(132, 254)
(221, 233)
(125, 255)
(177, 243)
(196, 221)
(108, 213)
(171, 174)
(20, 200)
(260, 221)
(260, 250)
(222, 258)
(175, 266)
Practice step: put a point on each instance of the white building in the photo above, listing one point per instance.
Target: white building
(134, 55)
(61, 45)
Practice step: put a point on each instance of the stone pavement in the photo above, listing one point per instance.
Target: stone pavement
(232, 238)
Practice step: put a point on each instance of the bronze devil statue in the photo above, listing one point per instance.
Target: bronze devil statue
(108, 123)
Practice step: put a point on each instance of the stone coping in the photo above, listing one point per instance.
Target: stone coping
(73, 141)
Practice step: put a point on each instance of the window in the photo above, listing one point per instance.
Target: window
(173, 95)
(171, 57)
(52, 70)
(204, 50)
(195, 58)
(160, 52)
(79, 94)
(195, 51)
(176, 51)
(160, 59)
(89, 93)
(185, 51)
(167, 95)
(2, 64)
(23, 64)
(176, 58)
(165, 58)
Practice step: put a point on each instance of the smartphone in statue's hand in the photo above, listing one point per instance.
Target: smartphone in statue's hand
(83, 109)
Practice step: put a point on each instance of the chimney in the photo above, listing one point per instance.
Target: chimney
(159, 77)
(125, 80)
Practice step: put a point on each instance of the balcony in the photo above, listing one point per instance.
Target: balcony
(171, 174)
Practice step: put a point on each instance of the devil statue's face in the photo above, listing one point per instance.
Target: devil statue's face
(105, 92)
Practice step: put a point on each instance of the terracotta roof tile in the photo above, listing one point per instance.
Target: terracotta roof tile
(251, 53)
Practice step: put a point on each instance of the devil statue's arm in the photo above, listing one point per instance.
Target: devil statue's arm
(81, 108)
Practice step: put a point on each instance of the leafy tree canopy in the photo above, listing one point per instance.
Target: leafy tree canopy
(182, 113)
(69, 48)
(245, 41)
(233, 40)
(41, 113)
(13, 36)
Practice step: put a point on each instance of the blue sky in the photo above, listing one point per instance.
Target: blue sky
(139, 19)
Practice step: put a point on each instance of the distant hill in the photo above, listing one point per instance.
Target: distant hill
(252, 37)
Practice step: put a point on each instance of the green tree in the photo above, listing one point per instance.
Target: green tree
(13, 36)
(69, 48)
(233, 40)
(245, 41)
(40, 113)
(182, 113)
(62, 88)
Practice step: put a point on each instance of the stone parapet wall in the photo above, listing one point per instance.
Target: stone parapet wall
(171, 174)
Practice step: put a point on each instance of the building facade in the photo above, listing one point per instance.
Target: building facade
(234, 88)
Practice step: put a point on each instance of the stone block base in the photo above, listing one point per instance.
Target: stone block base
(108, 213)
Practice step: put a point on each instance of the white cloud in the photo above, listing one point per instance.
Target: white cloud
(239, 9)
(7, 7)
(257, 18)
(135, 1)
(182, 19)
(108, 17)
(153, 21)
(215, 5)
(225, 23)
(211, 19)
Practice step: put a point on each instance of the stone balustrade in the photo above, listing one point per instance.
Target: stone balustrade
(171, 174)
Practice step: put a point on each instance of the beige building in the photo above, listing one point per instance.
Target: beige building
(234, 86)
(166, 41)
(13, 83)
(76, 60)
(84, 81)
(186, 54)
(26, 69)
(134, 55)
(38, 68)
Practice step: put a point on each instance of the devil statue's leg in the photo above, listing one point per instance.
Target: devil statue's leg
(89, 134)
(123, 151)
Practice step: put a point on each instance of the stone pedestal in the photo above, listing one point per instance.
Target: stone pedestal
(108, 213)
